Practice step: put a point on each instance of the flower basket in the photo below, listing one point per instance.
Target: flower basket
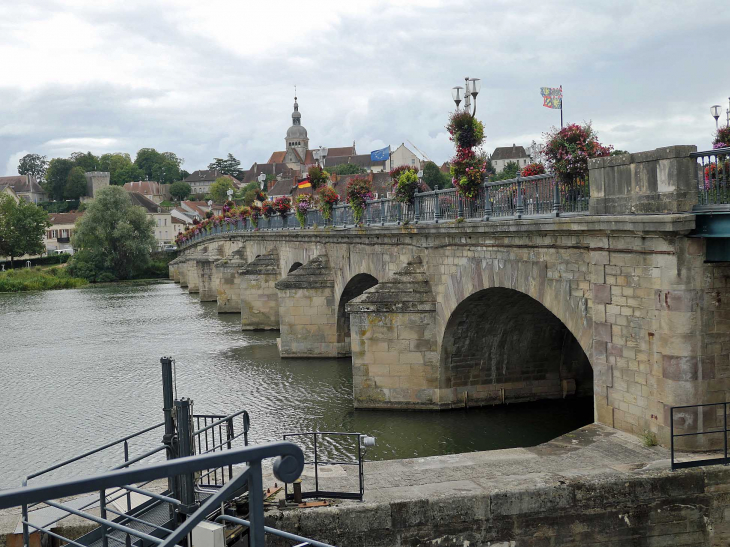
(568, 150)
(359, 192)
(302, 204)
(328, 198)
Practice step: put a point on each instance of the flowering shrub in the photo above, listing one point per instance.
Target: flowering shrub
(722, 138)
(405, 189)
(328, 198)
(318, 177)
(568, 150)
(396, 172)
(282, 206)
(465, 131)
(227, 206)
(533, 169)
(255, 214)
(267, 209)
(260, 196)
(359, 191)
(302, 204)
(209, 214)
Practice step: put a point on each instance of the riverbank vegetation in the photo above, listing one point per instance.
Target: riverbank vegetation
(22, 227)
(38, 279)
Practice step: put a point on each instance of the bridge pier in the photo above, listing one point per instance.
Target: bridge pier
(227, 283)
(258, 295)
(394, 343)
(307, 311)
(207, 290)
(173, 269)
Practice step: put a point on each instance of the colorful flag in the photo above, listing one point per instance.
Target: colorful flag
(380, 155)
(304, 183)
(552, 97)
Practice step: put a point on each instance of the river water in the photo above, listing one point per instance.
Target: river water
(79, 368)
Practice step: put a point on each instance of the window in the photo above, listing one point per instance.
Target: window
(413, 161)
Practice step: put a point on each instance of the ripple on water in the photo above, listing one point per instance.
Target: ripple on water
(81, 367)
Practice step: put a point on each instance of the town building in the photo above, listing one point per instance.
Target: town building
(150, 189)
(8, 190)
(95, 181)
(200, 181)
(58, 235)
(25, 187)
(361, 160)
(163, 228)
(403, 156)
(505, 154)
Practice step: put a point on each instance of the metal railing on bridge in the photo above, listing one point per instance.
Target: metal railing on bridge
(712, 175)
(521, 197)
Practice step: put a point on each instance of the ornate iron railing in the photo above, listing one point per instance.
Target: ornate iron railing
(712, 175)
(521, 197)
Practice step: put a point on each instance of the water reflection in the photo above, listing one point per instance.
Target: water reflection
(81, 367)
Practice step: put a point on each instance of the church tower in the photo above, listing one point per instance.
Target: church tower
(296, 137)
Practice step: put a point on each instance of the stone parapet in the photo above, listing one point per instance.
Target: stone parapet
(307, 311)
(656, 181)
(259, 299)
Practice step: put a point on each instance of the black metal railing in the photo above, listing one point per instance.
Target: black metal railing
(311, 442)
(712, 175)
(215, 433)
(287, 466)
(521, 197)
(690, 420)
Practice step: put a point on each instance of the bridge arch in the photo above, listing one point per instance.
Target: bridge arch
(501, 345)
(357, 285)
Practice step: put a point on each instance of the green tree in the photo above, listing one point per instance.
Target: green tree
(219, 189)
(146, 160)
(127, 174)
(22, 226)
(57, 177)
(75, 184)
(88, 162)
(113, 237)
(163, 167)
(180, 190)
(432, 176)
(348, 169)
(613, 153)
(116, 163)
(227, 166)
(35, 165)
(509, 172)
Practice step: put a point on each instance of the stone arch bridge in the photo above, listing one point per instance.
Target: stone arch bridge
(622, 307)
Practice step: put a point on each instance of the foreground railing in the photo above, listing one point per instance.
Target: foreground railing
(287, 467)
(712, 175)
(694, 422)
(538, 195)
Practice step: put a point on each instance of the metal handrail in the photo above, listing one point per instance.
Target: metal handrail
(705, 461)
(224, 419)
(94, 451)
(274, 532)
(287, 467)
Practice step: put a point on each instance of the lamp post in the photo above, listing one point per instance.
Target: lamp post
(471, 88)
(262, 180)
(715, 111)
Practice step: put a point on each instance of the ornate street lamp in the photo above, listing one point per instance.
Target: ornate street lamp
(715, 111)
(456, 94)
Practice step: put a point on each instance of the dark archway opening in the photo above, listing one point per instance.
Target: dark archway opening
(295, 266)
(503, 346)
(354, 288)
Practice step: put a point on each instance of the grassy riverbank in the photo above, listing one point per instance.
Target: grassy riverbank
(38, 279)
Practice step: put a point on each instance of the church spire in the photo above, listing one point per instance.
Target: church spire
(296, 117)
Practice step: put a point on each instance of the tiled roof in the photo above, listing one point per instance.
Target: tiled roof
(282, 187)
(176, 220)
(509, 153)
(445, 167)
(145, 187)
(64, 218)
(142, 201)
(362, 160)
(381, 184)
(277, 157)
(22, 184)
(309, 159)
(342, 151)
(209, 175)
(268, 169)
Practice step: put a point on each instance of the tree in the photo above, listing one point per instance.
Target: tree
(180, 190)
(509, 172)
(146, 160)
(22, 226)
(35, 165)
(88, 162)
(228, 166)
(433, 176)
(117, 164)
(113, 236)
(75, 184)
(57, 177)
(219, 189)
(128, 174)
(163, 167)
(349, 169)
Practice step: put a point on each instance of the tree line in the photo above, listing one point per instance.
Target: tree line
(63, 178)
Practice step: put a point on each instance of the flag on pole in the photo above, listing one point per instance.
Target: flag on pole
(552, 97)
(304, 183)
(380, 155)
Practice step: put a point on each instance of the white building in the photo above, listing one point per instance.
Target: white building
(403, 156)
(505, 154)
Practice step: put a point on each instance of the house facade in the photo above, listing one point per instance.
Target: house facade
(403, 156)
(505, 154)
(200, 181)
(58, 235)
(150, 189)
(25, 187)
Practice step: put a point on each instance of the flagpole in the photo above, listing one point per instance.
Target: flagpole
(561, 106)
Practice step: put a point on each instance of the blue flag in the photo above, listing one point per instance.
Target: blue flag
(380, 155)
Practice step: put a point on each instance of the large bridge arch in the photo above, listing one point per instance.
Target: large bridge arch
(357, 285)
(501, 345)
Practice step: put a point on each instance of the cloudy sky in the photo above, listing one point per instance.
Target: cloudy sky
(205, 78)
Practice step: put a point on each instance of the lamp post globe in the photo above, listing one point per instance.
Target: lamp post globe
(715, 111)
(476, 86)
(456, 95)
